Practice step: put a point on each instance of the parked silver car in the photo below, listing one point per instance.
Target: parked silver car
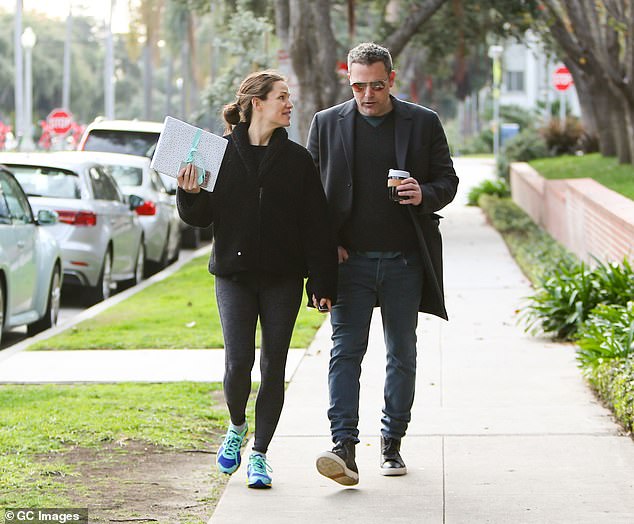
(158, 214)
(30, 262)
(99, 233)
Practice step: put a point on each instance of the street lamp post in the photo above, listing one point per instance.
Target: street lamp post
(28, 42)
(19, 73)
(495, 53)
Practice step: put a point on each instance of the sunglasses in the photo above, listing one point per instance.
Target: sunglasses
(360, 87)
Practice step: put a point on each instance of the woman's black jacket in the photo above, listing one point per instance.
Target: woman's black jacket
(271, 219)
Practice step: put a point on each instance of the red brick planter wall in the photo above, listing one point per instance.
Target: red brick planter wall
(586, 217)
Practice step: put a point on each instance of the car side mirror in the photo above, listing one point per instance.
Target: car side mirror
(135, 201)
(47, 217)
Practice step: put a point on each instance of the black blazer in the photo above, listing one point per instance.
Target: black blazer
(271, 219)
(421, 149)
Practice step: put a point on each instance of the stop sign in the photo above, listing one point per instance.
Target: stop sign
(60, 121)
(562, 79)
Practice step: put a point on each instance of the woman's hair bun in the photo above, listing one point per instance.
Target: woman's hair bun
(231, 114)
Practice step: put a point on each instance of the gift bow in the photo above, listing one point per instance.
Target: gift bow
(193, 150)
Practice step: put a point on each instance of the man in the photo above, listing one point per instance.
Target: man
(389, 252)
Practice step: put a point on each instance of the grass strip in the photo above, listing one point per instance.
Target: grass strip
(44, 419)
(176, 313)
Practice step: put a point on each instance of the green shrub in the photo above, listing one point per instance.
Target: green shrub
(570, 291)
(498, 187)
(480, 143)
(614, 382)
(527, 145)
(616, 282)
(608, 333)
(563, 141)
(564, 299)
(517, 114)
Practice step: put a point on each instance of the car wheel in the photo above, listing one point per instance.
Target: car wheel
(164, 260)
(52, 306)
(139, 270)
(177, 251)
(104, 285)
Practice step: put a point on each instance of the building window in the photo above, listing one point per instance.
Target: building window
(515, 81)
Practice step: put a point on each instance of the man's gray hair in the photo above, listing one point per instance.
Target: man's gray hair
(369, 53)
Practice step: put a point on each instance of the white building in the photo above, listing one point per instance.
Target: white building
(528, 77)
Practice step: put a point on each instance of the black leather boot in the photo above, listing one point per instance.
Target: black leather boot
(392, 463)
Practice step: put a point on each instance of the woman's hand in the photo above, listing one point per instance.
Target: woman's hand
(187, 179)
(342, 254)
(323, 306)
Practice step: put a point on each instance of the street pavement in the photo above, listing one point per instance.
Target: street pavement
(504, 428)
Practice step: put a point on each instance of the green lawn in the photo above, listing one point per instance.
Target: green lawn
(175, 313)
(37, 420)
(605, 170)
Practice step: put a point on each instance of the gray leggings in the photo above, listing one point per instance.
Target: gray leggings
(275, 300)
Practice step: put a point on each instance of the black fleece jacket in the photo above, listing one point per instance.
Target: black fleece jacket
(270, 219)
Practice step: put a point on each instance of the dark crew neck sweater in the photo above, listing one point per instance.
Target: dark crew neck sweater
(376, 223)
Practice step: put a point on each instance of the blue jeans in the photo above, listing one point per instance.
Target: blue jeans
(394, 281)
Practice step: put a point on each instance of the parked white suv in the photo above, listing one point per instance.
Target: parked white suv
(132, 137)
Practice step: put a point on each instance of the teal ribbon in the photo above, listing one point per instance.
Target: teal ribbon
(192, 154)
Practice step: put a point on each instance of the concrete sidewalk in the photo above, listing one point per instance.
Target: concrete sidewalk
(504, 428)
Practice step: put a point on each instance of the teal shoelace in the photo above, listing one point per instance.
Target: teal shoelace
(232, 443)
(259, 465)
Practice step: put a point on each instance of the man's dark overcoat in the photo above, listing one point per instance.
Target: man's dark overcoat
(421, 148)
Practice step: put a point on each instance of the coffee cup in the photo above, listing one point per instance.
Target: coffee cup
(395, 178)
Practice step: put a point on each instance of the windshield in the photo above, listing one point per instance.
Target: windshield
(116, 141)
(47, 182)
(125, 175)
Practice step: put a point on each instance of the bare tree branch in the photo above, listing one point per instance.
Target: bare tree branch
(397, 41)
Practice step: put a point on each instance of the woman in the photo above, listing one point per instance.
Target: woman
(269, 216)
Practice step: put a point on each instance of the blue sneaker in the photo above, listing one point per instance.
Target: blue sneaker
(228, 457)
(258, 472)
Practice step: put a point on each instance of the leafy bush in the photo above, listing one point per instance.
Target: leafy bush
(608, 333)
(480, 143)
(570, 291)
(616, 282)
(498, 187)
(563, 141)
(527, 145)
(563, 300)
(514, 113)
(614, 382)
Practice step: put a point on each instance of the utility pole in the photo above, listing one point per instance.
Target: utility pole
(109, 67)
(19, 72)
(67, 46)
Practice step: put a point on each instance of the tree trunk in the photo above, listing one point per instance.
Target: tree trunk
(598, 36)
(619, 122)
(314, 57)
(282, 22)
(630, 130)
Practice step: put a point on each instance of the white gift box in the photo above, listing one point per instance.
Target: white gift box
(180, 143)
